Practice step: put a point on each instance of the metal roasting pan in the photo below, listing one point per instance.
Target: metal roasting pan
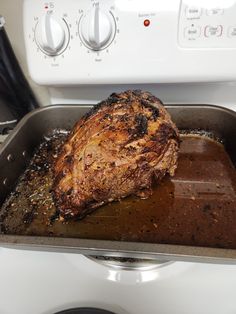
(17, 150)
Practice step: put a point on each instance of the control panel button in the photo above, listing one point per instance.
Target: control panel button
(213, 30)
(192, 32)
(216, 20)
(215, 12)
(193, 12)
(232, 31)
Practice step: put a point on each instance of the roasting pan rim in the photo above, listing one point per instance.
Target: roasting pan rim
(108, 248)
(36, 111)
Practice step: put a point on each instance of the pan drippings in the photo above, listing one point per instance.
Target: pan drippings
(195, 207)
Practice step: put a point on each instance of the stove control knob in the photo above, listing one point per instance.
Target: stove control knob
(51, 34)
(97, 28)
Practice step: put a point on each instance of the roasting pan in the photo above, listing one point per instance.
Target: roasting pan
(17, 150)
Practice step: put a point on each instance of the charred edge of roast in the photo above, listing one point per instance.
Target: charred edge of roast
(87, 208)
(154, 110)
(113, 98)
(165, 133)
(125, 97)
(141, 124)
(61, 199)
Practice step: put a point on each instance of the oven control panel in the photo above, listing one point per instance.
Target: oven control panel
(207, 25)
(71, 42)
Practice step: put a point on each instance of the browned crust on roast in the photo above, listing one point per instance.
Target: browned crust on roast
(114, 151)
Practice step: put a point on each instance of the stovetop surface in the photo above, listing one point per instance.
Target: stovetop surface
(47, 283)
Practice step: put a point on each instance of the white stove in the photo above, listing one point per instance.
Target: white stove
(83, 50)
(46, 283)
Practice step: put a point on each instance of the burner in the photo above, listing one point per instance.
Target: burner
(85, 310)
(124, 263)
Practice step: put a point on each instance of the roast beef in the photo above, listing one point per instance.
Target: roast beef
(117, 149)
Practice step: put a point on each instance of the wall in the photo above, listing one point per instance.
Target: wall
(12, 10)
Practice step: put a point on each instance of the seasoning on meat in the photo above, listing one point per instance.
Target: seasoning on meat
(117, 149)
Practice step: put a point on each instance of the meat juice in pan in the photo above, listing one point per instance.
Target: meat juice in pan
(195, 207)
